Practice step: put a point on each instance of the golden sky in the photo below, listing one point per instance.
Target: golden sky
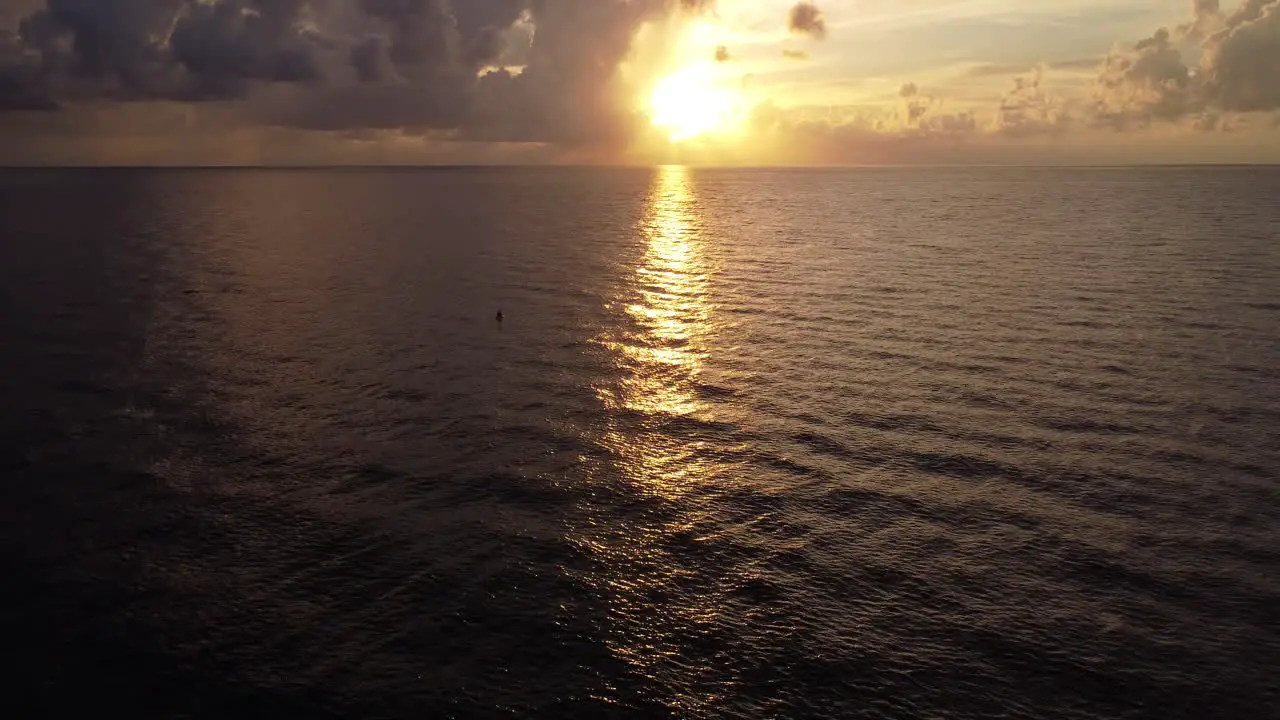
(639, 81)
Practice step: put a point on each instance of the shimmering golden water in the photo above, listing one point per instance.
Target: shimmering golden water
(661, 351)
(771, 443)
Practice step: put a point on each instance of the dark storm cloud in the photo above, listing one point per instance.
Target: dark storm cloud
(370, 106)
(484, 26)
(423, 33)
(22, 90)
(118, 45)
(420, 65)
(345, 64)
(158, 49)
(422, 60)
(21, 86)
(371, 61)
(211, 49)
(806, 19)
(13, 11)
(565, 93)
(562, 93)
(229, 44)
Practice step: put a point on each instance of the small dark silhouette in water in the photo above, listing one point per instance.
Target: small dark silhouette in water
(499, 317)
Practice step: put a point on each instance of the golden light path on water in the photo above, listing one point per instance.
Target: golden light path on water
(670, 307)
(658, 604)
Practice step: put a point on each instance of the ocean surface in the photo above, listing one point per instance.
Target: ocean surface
(875, 443)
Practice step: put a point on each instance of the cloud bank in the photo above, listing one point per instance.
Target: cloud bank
(341, 64)
(520, 73)
(1238, 69)
(1142, 85)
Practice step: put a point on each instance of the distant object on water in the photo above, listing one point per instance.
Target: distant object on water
(499, 316)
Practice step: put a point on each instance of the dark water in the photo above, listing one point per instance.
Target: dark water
(876, 443)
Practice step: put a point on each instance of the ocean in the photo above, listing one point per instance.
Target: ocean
(822, 443)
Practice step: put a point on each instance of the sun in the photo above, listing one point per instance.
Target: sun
(690, 103)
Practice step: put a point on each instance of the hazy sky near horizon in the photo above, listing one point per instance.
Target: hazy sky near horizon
(714, 81)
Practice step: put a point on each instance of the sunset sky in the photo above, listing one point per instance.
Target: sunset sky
(639, 81)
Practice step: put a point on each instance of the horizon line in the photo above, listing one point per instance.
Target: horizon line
(638, 166)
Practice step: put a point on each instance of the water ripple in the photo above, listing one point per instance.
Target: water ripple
(873, 443)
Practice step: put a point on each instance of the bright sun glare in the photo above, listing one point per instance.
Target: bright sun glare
(692, 96)
(688, 103)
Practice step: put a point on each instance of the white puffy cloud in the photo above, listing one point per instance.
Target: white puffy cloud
(1238, 69)
(1147, 81)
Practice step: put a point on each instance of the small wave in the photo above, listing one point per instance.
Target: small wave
(960, 466)
(852, 501)
(688, 425)
(405, 395)
(985, 401)
(1267, 372)
(789, 466)
(758, 590)
(1090, 324)
(891, 423)
(1086, 426)
(713, 392)
(821, 444)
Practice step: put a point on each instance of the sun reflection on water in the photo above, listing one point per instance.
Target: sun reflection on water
(664, 343)
(659, 344)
